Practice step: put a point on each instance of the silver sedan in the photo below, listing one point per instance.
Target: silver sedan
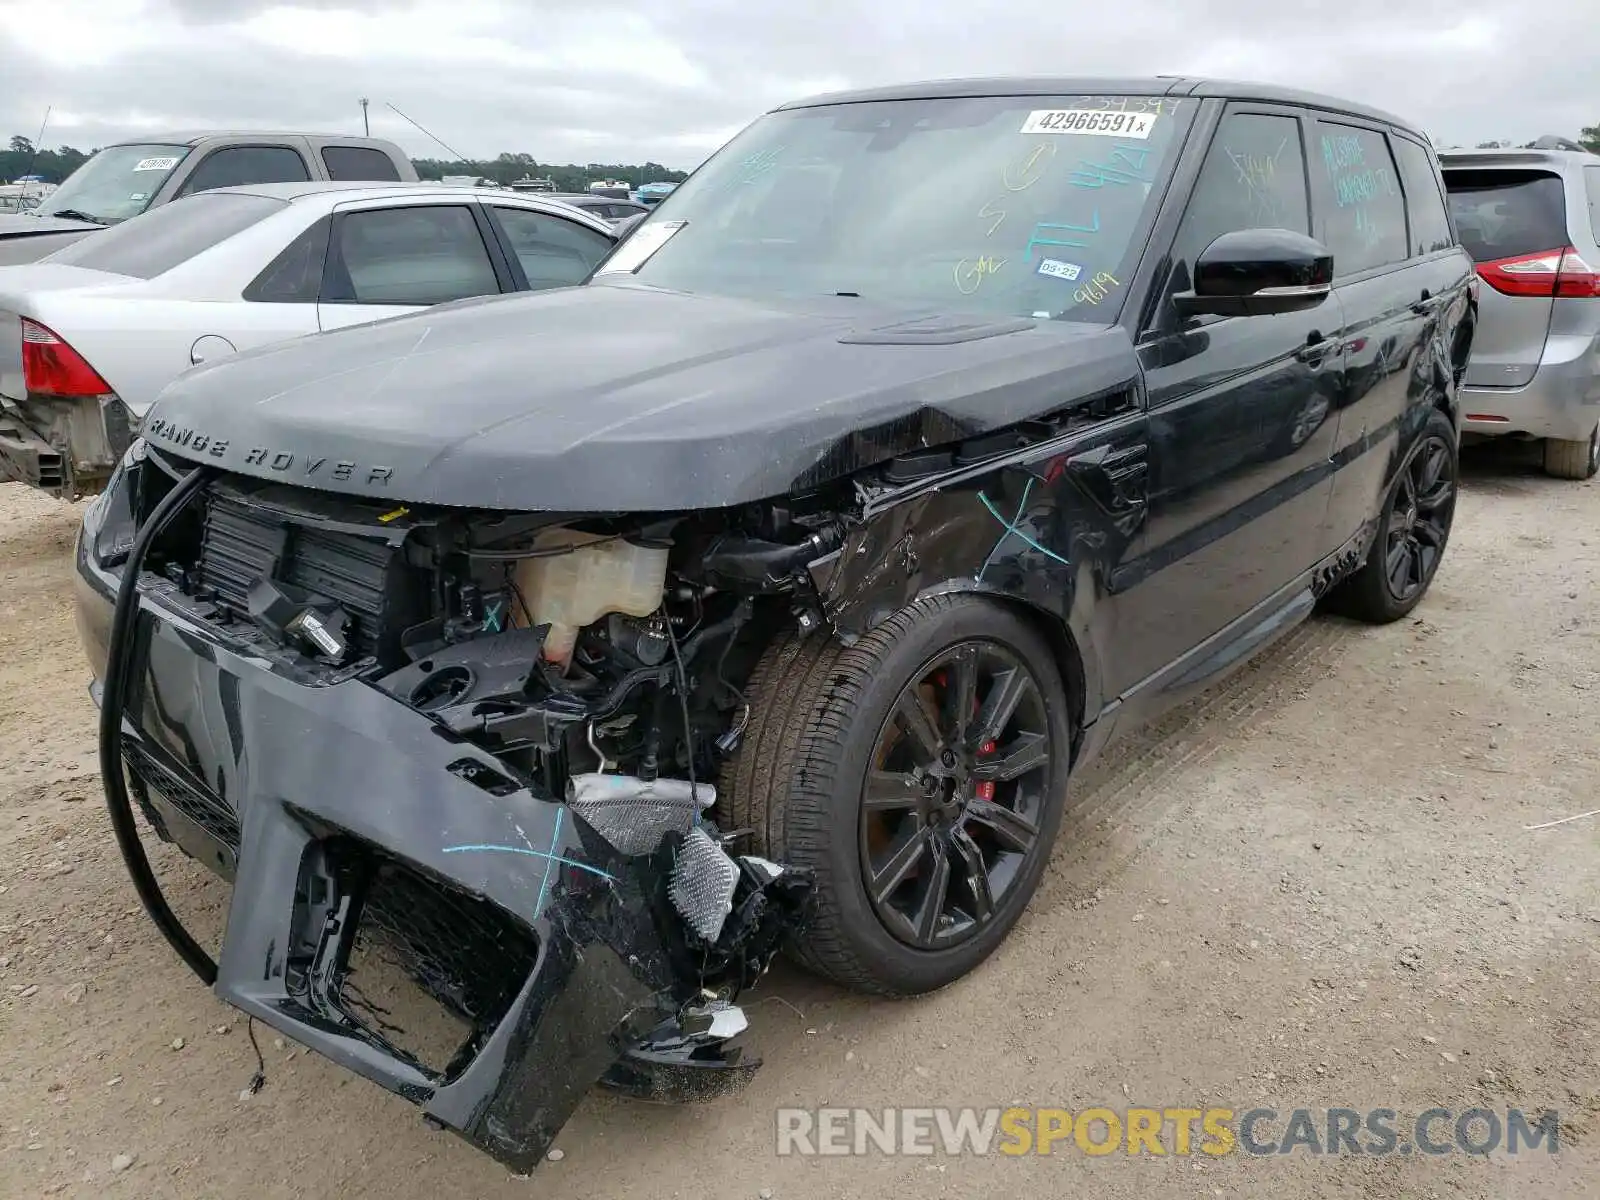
(91, 334)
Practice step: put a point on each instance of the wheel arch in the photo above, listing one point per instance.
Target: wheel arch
(1064, 644)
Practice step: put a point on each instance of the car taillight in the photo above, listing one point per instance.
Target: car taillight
(1548, 273)
(50, 367)
(1576, 277)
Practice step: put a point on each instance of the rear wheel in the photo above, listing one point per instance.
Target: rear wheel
(1575, 459)
(1413, 530)
(920, 774)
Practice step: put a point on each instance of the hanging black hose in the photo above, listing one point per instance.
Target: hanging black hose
(114, 688)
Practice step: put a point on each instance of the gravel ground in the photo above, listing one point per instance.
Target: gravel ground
(1311, 888)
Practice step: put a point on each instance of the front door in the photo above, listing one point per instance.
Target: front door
(1240, 417)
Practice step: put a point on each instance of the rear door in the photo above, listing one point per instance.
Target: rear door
(1513, 221)
(1386, 295)
(391, 259)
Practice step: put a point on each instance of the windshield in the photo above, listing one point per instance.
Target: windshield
(117, 183)
(1021, 205)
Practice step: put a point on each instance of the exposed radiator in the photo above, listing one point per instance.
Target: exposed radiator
(242, 542)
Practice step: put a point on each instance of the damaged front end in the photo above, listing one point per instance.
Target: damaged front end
(460, 770)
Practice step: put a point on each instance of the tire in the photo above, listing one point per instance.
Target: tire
(1575, 459)
(1408, 507)
(821, 714)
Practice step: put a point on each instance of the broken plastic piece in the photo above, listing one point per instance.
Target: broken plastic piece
(686, 1059)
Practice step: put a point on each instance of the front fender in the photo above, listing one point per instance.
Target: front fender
(1027, 532)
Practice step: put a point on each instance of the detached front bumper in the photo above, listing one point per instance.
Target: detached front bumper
(340, 813)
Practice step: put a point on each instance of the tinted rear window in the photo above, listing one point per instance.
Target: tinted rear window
(1504, 214)
(164, 237)
(359, 163)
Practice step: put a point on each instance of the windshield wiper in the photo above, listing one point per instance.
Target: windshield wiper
(73, 214)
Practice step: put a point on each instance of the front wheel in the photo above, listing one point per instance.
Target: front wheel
(919, 774)
(1413, 530)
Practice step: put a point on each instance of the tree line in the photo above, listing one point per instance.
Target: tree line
(21, 157)
(1589, 139)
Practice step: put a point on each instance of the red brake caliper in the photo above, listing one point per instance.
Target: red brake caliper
(985, 790)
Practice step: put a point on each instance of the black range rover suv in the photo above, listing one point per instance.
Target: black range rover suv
(572, 653)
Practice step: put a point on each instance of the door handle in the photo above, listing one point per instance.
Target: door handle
(1315, 350)
(1426, 304)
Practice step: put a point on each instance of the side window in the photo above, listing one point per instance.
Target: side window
(295, 276)
(359, 163)
(428, 254)
(1254, 177)
(1430, 222)
(553, 251)
(1591, 180)
(233, 166)
(1358, 198)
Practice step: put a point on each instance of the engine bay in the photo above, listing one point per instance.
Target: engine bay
(597, 660)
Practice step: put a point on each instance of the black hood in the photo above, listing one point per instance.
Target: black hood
(622, 398)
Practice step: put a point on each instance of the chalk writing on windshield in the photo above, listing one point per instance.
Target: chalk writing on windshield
(1097, 289)
(757, 165)
(1039, 238)
(1019, 177)
(994, 214)
(1160, 105)
(1124, 165)
(971, 272)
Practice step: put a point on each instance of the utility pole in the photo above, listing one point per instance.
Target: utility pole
(366, 129)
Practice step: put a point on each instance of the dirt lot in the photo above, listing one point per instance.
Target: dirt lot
(1312, 888)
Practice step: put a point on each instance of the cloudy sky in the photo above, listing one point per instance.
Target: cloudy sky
(669, 80)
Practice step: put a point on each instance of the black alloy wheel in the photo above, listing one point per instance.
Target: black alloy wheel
(918, 774)
(952, 806)
(1413, 528)
(1418, 524)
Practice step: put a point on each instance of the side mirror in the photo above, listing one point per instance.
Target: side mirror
(1257, 272)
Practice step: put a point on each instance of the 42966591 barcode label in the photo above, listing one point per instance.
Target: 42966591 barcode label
(1091, 121)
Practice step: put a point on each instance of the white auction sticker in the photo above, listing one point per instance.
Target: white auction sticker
(155, 164)
(639, 246)
(1090, 120)
(1057, 269)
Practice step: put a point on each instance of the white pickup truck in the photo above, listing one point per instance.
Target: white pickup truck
(123, 180)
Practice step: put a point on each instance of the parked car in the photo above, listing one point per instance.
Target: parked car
(129, 178)
(610, 207)
(1531, 219)
(927, 438)
(90, 335)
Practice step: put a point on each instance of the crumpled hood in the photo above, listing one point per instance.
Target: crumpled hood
(622, 398)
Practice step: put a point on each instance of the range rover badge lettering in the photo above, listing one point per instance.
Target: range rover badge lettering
(281, 462)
